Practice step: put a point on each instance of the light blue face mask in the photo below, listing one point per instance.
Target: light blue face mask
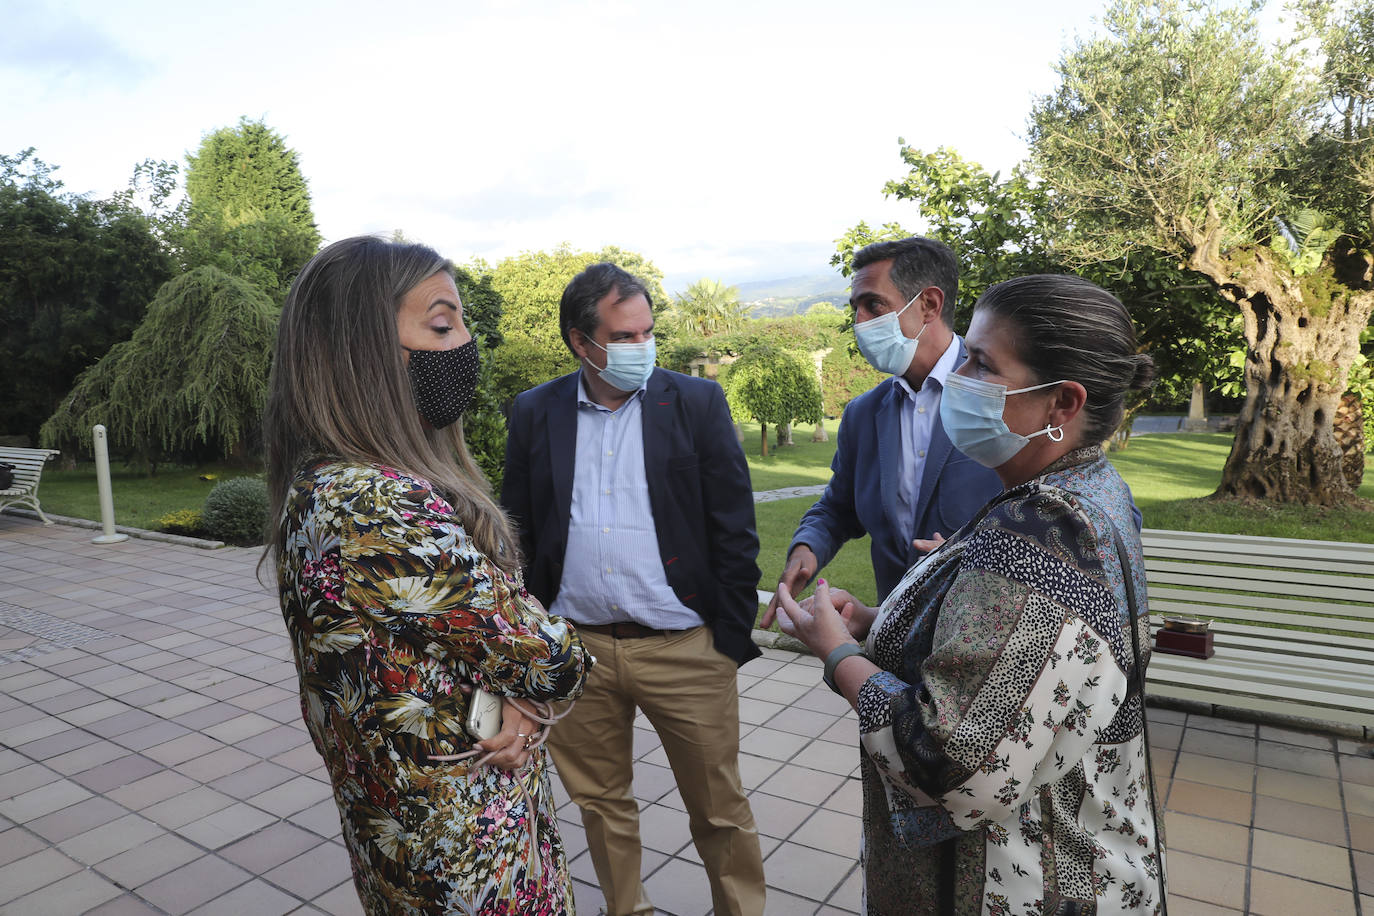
(883, 344)
(971, 413)
(628, 365)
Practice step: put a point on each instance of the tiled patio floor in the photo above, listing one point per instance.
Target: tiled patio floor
(154, 761)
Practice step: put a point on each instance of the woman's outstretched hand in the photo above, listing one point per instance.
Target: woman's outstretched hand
(816, 621)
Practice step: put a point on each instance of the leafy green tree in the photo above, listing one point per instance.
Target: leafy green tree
(250, 211)
(1183, 132)
(484, 425)
(772, 385)
(75, 278)
(189, 384)
(844, 376)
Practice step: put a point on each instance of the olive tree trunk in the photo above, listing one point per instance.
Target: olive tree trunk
(1302, 335)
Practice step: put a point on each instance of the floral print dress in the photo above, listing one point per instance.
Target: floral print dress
(390, 607)
(1003, 758)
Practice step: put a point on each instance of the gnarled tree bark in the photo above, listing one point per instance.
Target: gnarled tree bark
(1302, 335)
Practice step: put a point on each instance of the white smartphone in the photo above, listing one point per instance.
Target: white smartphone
(484, 714)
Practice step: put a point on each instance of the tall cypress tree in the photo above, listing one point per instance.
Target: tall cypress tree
(250, 211)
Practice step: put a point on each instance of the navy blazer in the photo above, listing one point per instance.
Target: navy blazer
(699, 492)
(862, 497)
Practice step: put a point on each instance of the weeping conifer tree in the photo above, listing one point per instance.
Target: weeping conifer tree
(189, 384)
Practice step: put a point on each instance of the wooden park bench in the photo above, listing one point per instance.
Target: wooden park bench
(28, 470)
(1292, 623)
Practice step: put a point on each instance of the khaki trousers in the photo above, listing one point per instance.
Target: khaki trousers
(689, 694)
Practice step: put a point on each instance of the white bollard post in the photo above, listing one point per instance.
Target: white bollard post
(102, 479)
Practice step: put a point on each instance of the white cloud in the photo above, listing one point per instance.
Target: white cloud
(718, 138)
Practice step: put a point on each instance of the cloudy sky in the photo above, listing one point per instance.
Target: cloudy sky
(723, 138)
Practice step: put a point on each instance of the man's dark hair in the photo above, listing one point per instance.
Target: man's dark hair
(916, 264)
(578, 308)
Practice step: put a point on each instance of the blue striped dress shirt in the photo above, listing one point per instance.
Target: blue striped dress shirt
(612, 570)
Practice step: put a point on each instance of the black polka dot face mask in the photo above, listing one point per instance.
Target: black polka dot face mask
(443, 382)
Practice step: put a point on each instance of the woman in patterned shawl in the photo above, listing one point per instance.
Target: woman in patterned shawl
(399, 586)
(1000, 722)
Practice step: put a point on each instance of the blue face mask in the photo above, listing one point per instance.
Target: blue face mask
(883, 344)
(628, 365)
(971, 413)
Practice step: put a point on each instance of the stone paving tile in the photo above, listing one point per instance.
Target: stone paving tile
(226, 825)
(1299, 787)
(1211, 801)
(312, 872)
(111, 839)
(343, 901)
(1278, 815)
(1320, 862)
(33, 872)
(805, 872)
(197, 882)
(16, 843)
(1207, 837)
(268, 848)
(1362, 835)
(152, 789)
(256, 897)
(1208, 880)
(681, 888)
(77, 893)
(43, 800)
(76, 819)
(1281, 895)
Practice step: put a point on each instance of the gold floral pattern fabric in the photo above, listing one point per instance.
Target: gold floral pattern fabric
(391, 609)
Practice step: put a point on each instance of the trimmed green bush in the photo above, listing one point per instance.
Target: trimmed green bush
(182, 521)
(236, 511)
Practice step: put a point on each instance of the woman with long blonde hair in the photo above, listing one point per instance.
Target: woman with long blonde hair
(399, 586)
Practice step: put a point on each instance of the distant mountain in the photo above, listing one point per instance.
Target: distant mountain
(820, 286)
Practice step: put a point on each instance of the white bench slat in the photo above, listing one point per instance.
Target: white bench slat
(1224, 601)
(1355, 564)
(1252, 545)
(1298, 682)
(1283, 622)
(1266, 576)
(1219, 578)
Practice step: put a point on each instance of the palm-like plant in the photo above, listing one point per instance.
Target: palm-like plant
(710, 307)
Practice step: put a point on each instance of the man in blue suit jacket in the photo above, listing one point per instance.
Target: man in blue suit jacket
(636, 522)
(895, 475)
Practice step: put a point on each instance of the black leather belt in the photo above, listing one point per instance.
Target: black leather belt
(624, 630)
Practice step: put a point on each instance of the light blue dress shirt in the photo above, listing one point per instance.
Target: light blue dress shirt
(919, 412)
(612, 570)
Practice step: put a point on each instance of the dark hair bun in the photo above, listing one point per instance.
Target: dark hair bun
(1144, 377)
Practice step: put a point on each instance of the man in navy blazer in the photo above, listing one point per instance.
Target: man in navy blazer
(636, 520)
(895, 475)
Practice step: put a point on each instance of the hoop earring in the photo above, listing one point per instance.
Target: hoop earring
(1055, 433)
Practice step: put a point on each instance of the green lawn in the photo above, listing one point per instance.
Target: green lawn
(139, 500)
(803, 464)
(1173, 474)
(851, 569)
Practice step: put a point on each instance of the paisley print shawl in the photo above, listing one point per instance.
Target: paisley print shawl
(1003, 763)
